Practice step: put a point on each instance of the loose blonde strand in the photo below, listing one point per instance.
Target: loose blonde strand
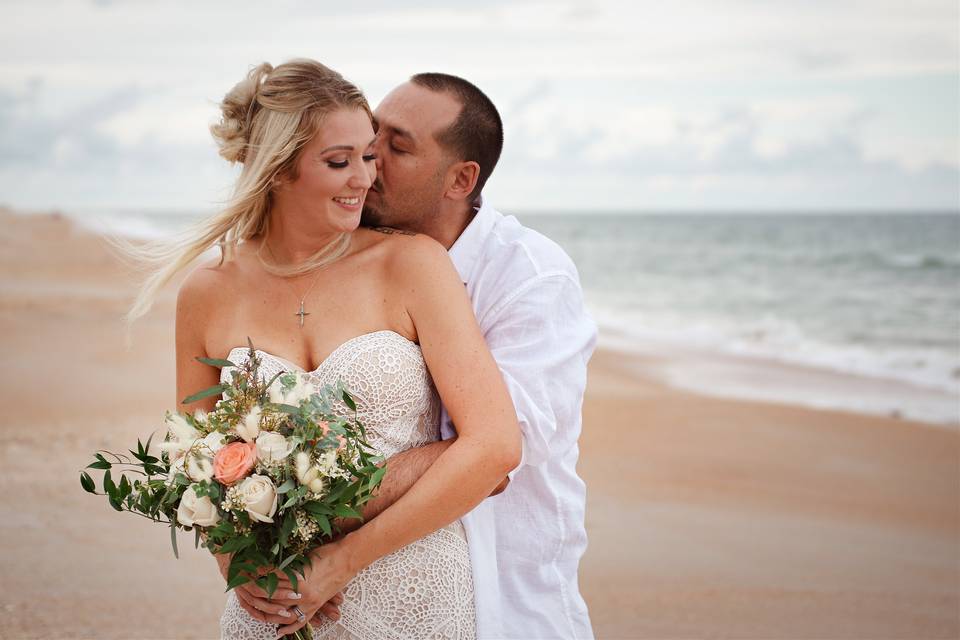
(267, 119)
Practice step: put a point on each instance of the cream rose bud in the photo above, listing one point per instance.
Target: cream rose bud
(259, 497)
(249, 427)
(272, 446)
(194, 510)
(214, 442)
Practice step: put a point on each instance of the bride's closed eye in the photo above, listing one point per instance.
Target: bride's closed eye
(343, 164)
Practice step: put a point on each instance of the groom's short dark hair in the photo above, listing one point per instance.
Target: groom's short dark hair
(477, 133)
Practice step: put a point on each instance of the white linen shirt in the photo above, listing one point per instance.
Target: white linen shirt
(526, 543)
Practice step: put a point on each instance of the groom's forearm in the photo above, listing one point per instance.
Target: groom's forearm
(403, 470)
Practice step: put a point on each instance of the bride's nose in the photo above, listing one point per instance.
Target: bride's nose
(363, 175)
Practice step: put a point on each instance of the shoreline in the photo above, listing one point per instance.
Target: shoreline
(707, 369)
(761, 378)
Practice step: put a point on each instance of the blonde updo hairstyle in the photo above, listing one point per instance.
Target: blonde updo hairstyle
(268, 118)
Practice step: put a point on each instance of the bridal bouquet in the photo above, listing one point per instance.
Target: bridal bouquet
(263, 476)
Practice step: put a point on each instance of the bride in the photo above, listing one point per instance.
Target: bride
(385, 312)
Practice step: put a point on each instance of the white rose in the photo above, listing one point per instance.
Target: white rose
(272, 446)
(249, 428)
(180, 436)
(197, 511)
(214, 441)
(199, 466)
(259, 497)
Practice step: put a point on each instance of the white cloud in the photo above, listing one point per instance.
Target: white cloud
(735, 102)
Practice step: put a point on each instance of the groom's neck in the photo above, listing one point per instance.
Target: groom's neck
(451, 220)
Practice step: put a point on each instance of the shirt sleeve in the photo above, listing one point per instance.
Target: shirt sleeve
(541, 337)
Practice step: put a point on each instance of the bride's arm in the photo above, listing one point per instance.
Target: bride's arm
(472, 389)
(193, 304)
(403, 470)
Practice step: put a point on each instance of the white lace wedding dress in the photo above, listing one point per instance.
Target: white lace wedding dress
(424, 590)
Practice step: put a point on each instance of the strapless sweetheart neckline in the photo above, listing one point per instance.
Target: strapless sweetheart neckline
(335, 351)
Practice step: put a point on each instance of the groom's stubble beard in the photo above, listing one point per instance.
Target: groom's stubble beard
(408, 210)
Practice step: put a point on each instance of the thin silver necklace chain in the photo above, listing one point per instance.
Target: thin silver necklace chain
(301, 312)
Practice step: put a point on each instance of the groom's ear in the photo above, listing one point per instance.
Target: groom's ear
(462, 178)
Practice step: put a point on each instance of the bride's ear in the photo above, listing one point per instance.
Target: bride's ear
(463, 178)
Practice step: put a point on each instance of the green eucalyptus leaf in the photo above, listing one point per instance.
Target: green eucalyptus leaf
(272, 582)
(289, 522)
(287, 561)
(173, 540)
(377, 476)
(237, 580)
(219, 363)
(108, 485)
(292, 577)
(206, 393)
(87, 483)
(344, 511)
(323, 523)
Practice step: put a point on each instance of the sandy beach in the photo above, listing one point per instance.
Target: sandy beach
(707, 518)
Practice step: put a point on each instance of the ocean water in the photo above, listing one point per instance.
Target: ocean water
(875, 296)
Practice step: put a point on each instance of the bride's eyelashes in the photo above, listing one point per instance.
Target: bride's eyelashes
(343, 164)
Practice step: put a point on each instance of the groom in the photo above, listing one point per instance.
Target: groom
(438, 139)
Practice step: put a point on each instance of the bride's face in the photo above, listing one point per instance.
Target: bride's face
(335, 170)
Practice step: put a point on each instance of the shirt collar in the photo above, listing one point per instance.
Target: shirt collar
(466, 250)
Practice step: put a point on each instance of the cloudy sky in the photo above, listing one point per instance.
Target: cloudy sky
(709, 105)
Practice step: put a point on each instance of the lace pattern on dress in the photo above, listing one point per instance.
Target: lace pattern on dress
(424, 590)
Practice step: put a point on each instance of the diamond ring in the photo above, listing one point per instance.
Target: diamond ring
(300, 615)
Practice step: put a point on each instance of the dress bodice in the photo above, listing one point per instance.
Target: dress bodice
(387, 377)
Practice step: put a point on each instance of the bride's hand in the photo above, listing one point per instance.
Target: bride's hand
(255, 602)
(328, 572)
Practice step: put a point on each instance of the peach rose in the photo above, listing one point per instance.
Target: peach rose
(234, 461)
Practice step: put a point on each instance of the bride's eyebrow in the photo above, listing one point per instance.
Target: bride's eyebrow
(339, 147)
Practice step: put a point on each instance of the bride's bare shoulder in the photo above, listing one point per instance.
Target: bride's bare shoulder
(215, 277)
(412, 259)
(401, 244)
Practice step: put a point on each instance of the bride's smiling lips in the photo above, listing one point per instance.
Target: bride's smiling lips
(350, 203)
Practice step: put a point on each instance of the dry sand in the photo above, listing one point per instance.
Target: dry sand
(707, 518)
